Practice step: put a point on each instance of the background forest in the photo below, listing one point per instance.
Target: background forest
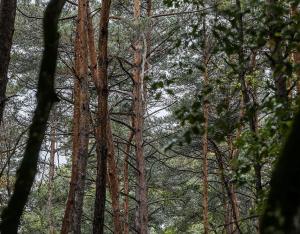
(171, 114)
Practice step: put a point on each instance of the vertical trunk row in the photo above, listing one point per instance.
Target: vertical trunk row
(7, 22)
(51, 178)
(141, 221)
(73, 212)
(102, 120)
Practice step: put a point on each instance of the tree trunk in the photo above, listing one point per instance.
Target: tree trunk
(205, 160)
(205, 135)
(51, 177)
(141, 221)
(46, 97)
(7, 22)
(234, 204)
(114, 182)
(73, 211)
(126, 184)
(281, 213)
(102, 121)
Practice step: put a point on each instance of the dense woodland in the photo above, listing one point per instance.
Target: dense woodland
(149, 116)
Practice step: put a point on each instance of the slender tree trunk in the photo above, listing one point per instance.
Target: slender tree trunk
(126, 184)
(205, 135)
(73, 211)
(7, 22)
(219, 157)
(141, 221)
(114, 182)
(103, 120)
(51, 178)
(205, 161)
(46, 97)
(234, 207)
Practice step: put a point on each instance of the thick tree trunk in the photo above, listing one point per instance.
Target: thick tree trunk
(73, 211)
(141, 221)
(281, 214)
(7, 22)
(46, 97)
(102, 121)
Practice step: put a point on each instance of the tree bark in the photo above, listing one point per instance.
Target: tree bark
(102, 121)
(7, 22)
(205, 135)
(205, 159)
(73, 211)
(51, 178)
(126, 184)
(141, 220)
(114, 182)
(46, 97)
(281, 214)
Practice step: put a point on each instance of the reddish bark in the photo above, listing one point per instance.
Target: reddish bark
(102, 121)
(73, 211)
(141, 221)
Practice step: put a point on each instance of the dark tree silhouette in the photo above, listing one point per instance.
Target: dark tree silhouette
(7, 22)
(282, 214)
(46, 97)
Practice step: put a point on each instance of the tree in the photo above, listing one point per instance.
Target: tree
(7, 22)
(102, 121)
(74, 206)
(46, 97)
